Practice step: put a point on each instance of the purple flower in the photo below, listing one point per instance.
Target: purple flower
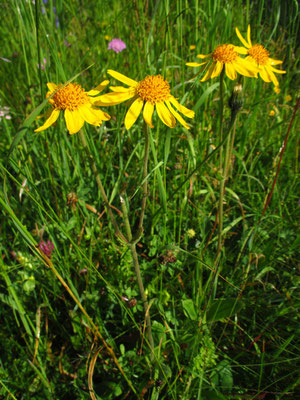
(66, 43)
(57, 22)
(43, 64)
(4, 112)
(46, 248)
(116, 45)
(83, 271)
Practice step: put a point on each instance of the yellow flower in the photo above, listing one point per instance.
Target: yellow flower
(77, 104)
(287, 98)
(152, 92)
(192, 47)
(226, 55)
(259, 56)
(272, 113)
(191, 233)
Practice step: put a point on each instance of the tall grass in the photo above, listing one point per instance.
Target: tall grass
(73, 326)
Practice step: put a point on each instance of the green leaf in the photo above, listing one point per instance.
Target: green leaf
(263, 272)
(223, 308)
(204, 96)
(212, 395)
(189, 309)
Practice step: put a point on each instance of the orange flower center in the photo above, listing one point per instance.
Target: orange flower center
(153, 89)
(70, 97)
(225, 53)
(259, 54)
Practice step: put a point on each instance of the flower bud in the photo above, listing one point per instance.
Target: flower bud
(236, 99)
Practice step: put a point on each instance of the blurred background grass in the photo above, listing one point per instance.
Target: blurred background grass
(239, 341)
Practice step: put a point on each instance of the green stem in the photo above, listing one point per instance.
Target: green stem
(145, 185)
(143, 295)
(221, 194)
(132, 242)
(37, 8)
(228, 166)
(100, 187)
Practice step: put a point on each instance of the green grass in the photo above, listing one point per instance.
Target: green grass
(229, 336)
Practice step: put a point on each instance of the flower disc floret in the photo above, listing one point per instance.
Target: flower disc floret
(70, 97)
(259, 54)
(153, 89)
(225, 53)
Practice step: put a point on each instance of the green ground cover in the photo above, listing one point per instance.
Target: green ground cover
(218, 250)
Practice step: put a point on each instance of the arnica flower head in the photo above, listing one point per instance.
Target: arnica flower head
(46, 247)
(226, 56)
(78, 106)
(259, 57)
(116, 45)
(152, 92)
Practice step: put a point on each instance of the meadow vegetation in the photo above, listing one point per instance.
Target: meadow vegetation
(148, 263)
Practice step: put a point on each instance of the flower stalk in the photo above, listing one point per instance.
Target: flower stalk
(221, 192)
(128, 239)
(100, 187)
(145, 184)
(134, 239)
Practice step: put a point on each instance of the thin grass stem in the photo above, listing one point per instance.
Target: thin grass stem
(100, 187)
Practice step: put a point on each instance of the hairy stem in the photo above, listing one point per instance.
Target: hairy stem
(221, 193)
(133, 241)
(145, 184)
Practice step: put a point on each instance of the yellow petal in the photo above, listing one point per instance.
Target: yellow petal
(240, 50)
(122, 78)
(110, 99)
(147, 113)
(177, 116)
(272, 76)
(264, 75)
(53, 117)
(133, 112)
(74, 121)
(275, 62)
(165, 115)
(194, 64)
(203, 55)
(91, 115)
(278, 71)
(277, 89)
(230, 71)
(51, 86)
(98, 89)
(209, 72)
(185, 111)
(217, 70)
(119, 89)
(242, 39)
(248, 35)
(245, 67)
